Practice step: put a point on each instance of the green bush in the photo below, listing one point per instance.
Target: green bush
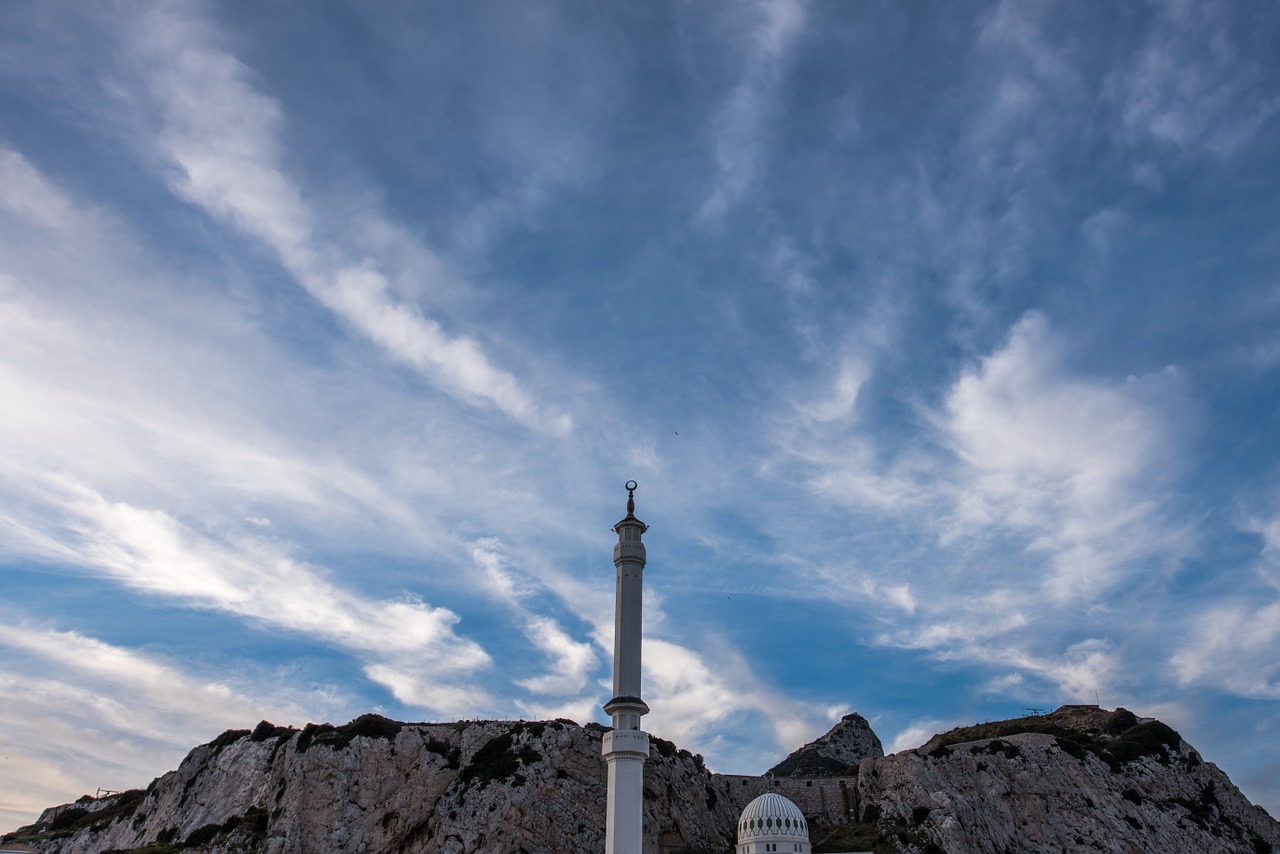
(73, 818)
(203, 834)
(1113, 737)
(265, 730)
(228, 738)
(337, 738)
(498, 759)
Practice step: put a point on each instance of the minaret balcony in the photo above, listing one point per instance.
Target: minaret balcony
(629, 743)
(623, 705)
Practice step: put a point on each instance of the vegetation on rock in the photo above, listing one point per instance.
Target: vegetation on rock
(70, 821)
(1113, 737)
(337, 738)
(498, 759)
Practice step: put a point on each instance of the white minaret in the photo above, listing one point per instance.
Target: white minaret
(626, 747)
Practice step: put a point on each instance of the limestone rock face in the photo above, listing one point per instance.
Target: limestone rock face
(377, 785)
(838, 752)
(1081, 779)
(1028, 793)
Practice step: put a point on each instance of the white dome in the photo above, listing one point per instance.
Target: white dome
(771, 818)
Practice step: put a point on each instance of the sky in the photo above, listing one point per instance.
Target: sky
(942, 339)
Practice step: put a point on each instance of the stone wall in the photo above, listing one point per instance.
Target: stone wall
(830, 800)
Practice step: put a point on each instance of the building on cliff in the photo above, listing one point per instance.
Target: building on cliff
(773, 824)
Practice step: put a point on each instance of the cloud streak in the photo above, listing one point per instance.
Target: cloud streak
(739, 128)
(1191, 85)
(409, 647)
(223, 138)
(571, 662)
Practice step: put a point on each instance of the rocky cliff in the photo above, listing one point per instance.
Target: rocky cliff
(836, 753)
(1081, 779)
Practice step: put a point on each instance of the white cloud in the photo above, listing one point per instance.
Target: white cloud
(93, 399)
(27, 195)
(1235, 644)
(739, 124)
(917, 733)
(1005, 685)
(850, 377)
(1076, 462)
(223, 137)
(1023, 428)
(1074, 465)
(571, 662)
(87, 333)
(408, 646)
(687, 690)
(85, 714)
(1217, 644)
(1079, 673)
(1191, 86)
(1037, 487)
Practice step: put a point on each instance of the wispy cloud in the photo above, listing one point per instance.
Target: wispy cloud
(1070, 468)
(917, 733)
(1191, 85)
(95, 412)
(1072, 460)
(1235, 644)
(79, 693)
(223, 138)
(571, 662)
(100, 400)
(409, 647)
(739, 129)
(29, 196)
(839, 404)
(686, 689)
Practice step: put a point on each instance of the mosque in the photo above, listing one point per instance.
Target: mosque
(770, 824)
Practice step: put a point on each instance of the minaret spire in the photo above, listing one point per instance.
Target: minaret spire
(626, 747)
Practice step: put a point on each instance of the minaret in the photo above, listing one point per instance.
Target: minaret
(626, 747)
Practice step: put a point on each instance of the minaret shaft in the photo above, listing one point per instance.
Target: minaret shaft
(628, 618)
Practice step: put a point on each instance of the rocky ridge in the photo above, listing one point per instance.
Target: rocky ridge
(836, 753)
(1080, 779)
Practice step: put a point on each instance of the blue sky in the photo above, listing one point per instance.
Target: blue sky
(942, 339)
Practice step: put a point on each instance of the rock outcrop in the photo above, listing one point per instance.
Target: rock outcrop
(1081, 779)
(836, 753)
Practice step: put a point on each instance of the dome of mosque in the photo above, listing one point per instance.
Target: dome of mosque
(772, 823)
